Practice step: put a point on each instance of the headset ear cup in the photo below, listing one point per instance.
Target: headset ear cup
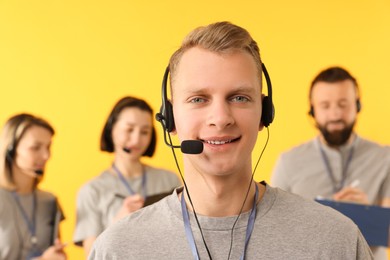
(311, 111)
(9, 156)
(165, 117)
(358, 105)
(168, 115)
(267, 115)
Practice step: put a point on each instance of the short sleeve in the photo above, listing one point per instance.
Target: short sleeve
(88, 217)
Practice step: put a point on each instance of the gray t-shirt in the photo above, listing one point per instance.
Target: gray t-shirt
(302, 171)
(97, 204)
(286, 227)
(15, 236)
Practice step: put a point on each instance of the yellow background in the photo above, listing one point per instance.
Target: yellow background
(69, 61)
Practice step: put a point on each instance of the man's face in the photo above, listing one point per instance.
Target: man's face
(217, 100)
(335, 110)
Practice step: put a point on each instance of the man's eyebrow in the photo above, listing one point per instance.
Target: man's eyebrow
(202, 90)
(244, 89)
(193, 91)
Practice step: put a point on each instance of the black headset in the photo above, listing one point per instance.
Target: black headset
(11, 149)
(165, 116)
(358, 107)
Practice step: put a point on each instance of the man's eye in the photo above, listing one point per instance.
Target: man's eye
(240, 99)
(197, 100)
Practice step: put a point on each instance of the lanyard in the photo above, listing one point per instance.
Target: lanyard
(190, 235)
(30, 224)
(329, 171)
(126, 184)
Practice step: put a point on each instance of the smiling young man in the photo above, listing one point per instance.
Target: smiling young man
(337, 164)
(223, 213)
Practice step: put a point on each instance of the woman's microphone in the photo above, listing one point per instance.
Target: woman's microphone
(126, 150)
(39, 172)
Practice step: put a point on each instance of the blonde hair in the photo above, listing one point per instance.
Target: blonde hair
(221, 37)
(12, 132)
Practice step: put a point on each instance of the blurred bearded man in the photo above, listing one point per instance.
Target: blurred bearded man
(338, 164)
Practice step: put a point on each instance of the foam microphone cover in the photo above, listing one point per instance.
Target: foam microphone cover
(191, 147)
(126, 150)
(39, 172)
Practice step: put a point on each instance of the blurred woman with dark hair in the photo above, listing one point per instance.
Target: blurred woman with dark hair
(122, 188)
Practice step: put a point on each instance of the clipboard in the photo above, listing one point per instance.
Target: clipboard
(373, 221)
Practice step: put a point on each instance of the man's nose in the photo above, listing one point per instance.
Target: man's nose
(220, 115)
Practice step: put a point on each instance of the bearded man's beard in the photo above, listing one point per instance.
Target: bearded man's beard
(336, 137)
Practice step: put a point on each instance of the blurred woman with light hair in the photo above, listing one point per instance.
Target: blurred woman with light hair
(29, 217)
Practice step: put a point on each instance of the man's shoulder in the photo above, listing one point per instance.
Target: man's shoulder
(370, 149)
(309, 211)
(372, 145)
(296, 222)
(302, 150)
(136, 232)
(151, 217)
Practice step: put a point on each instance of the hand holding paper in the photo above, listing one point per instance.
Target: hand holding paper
(352, 193)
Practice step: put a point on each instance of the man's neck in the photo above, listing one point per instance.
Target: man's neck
(221, 196)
